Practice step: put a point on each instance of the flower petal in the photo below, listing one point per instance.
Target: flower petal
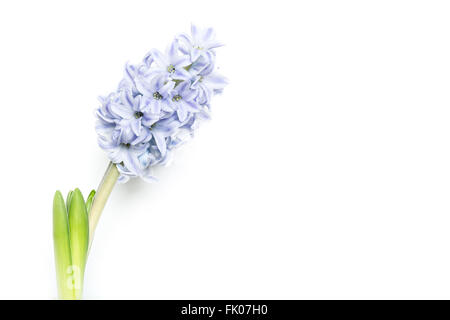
(181, 74)
(213, 44)
(195, 33)
(160, 142)
(122, 111)
(215, 81)
(136, 126)
(172, 51)
(208, 34)
(181, 112)
(159, 58)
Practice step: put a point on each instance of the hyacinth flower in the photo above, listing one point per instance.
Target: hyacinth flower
(156, 108)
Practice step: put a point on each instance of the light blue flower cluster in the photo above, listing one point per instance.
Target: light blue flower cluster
(159, 103)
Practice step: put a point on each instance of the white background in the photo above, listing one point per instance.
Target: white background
(325, 172)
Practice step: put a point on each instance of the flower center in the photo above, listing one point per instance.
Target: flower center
(157, 95)
(171, 68)
(138, 114)
(177, 98)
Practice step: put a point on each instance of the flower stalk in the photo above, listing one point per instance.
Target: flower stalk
(100, 198)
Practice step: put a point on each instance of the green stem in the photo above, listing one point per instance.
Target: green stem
(102, 195)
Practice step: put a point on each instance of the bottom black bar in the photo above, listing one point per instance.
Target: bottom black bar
(229, 309)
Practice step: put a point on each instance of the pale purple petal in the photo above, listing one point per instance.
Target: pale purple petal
(122, 111)
(160, 142)
(195, 33)
(136, 126)
(159, 58)
(181, 112)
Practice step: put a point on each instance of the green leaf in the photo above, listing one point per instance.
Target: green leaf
(61, 243)
(68, 199)
(89, 201)
(79, 239)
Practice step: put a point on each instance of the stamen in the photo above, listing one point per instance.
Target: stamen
(138, 114)
(157, 95)
(177, 98)
(171, 69)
